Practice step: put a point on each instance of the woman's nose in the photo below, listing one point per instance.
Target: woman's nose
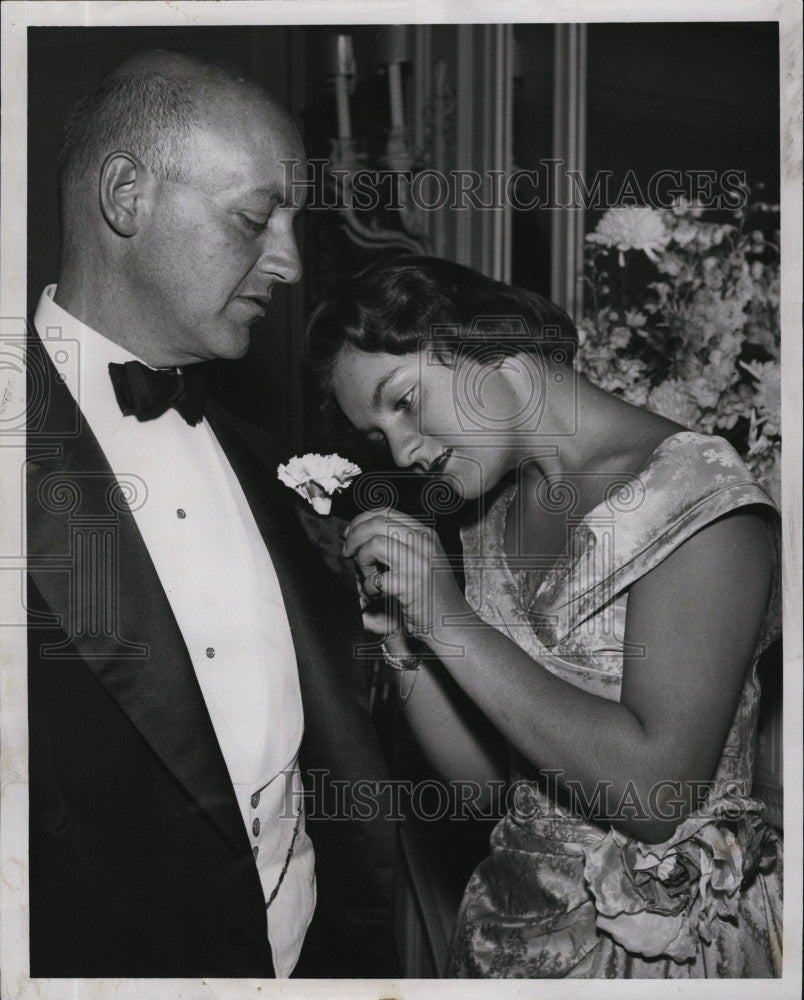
(404, 448)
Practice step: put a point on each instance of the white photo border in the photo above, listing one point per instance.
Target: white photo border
(17, 16)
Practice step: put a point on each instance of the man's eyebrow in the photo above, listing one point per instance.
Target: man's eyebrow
(277, 194)
(376, 399)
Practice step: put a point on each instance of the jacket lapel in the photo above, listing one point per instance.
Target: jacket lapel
(88, 560)
(271, 503)
(324, 620)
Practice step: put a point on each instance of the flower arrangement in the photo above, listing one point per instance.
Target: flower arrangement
(682, 317)
(317, 478)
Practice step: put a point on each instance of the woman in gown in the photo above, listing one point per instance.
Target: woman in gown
(622, 579)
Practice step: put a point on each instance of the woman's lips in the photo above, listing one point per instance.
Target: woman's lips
(438, 465)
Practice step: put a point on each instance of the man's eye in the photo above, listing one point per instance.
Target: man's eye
(253, 225)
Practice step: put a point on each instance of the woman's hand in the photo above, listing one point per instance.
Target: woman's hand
(400, 557)
(381, 616)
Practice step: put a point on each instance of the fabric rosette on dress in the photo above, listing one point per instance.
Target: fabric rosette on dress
(663, 899)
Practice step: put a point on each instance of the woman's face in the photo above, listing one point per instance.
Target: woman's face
(460, 418)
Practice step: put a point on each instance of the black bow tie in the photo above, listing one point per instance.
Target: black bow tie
(147, 393)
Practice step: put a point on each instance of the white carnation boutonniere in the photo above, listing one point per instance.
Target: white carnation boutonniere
(318, 477)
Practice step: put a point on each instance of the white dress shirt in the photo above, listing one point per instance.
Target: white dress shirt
(224, 592)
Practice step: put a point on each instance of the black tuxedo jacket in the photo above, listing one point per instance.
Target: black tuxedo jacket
(139, 861)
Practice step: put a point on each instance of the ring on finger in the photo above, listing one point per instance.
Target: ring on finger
(377, 579)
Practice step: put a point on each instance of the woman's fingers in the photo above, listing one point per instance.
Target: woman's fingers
(380, 619)
(395, 555)
(361, 533)
(387, 512)
(384, 520)
(373, 557)
(363, 600)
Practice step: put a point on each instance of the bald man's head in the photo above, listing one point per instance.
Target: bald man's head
(149, 106)
(178, 209)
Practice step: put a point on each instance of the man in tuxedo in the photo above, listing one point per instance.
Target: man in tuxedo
(183, 633)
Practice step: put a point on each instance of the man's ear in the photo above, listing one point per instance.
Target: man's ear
(125, 187)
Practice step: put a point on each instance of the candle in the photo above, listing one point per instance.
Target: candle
(395, 90)
(342, 102)
(338, 55)
(340, 62)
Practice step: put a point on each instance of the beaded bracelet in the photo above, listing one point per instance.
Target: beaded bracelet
(406, 667)
(400, 663)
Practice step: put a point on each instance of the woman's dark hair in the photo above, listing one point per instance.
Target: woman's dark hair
(394, 306)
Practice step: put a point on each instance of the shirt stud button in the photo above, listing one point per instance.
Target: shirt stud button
(181, 514)
(255, 828)
(210, 652)
(255, 800)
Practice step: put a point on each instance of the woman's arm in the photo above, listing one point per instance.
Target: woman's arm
(696, 616)
(452, 732)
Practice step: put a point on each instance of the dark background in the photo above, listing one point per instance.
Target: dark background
(665, 96)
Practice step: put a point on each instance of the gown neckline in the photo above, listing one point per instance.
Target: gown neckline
(507, 496)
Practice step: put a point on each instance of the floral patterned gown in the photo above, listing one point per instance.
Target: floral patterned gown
(560, 896)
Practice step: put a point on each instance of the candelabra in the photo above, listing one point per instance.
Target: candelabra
(397, 161)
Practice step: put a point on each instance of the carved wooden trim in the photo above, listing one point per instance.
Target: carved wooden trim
(498, 45)
(569, 147)
(481, 238)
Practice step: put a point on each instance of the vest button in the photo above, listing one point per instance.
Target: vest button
(255, 800)
(255, 828)
(210, 652)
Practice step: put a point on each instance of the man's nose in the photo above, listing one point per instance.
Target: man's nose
(281, 256)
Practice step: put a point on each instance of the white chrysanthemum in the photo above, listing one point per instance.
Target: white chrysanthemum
(632, 228)
(316, 477)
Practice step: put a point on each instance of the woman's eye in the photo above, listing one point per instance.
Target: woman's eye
(405, 402)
